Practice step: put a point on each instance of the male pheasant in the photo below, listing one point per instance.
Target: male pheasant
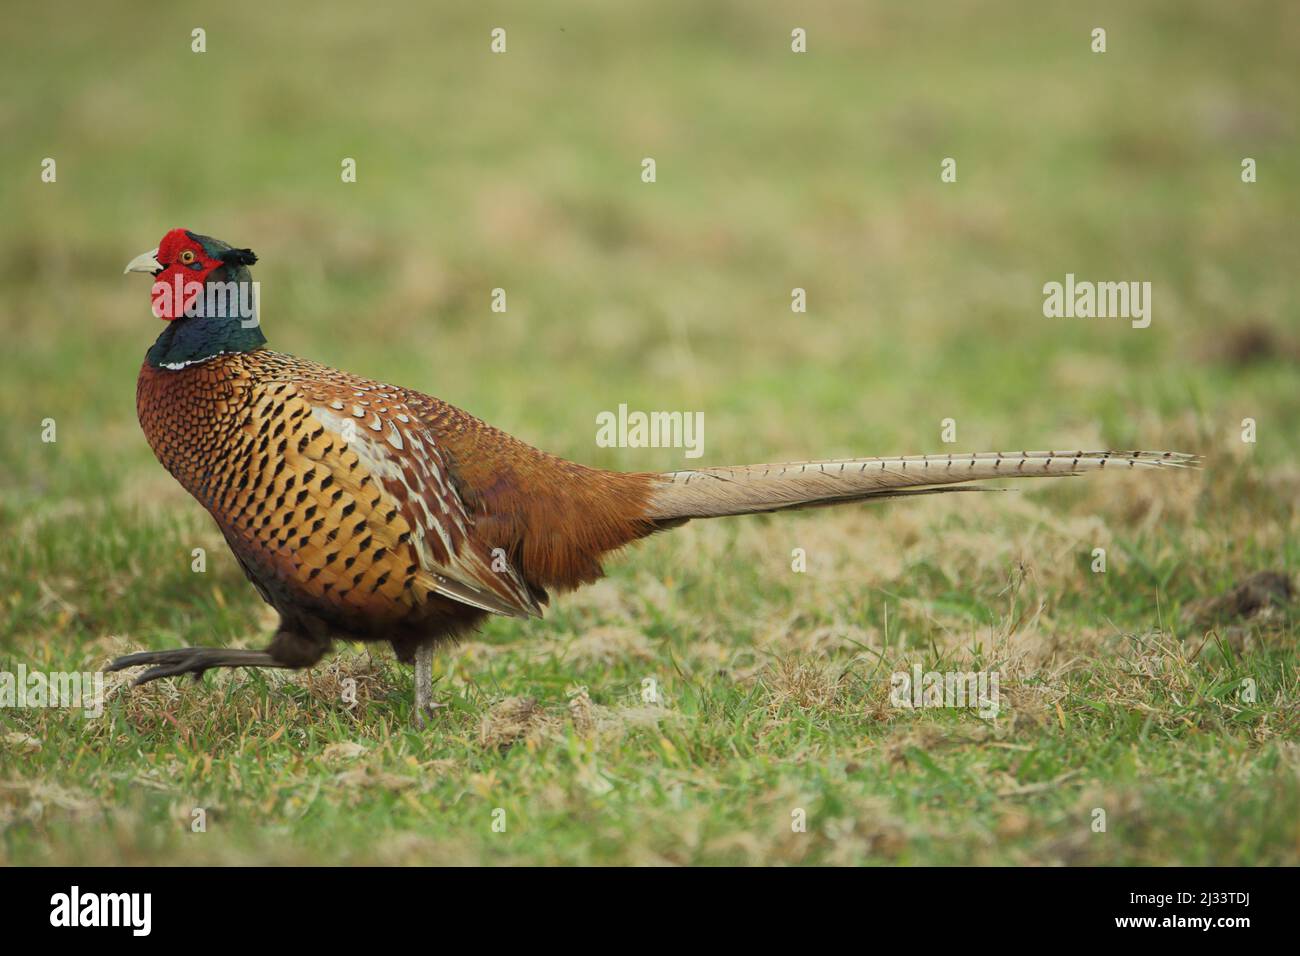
(372, 512)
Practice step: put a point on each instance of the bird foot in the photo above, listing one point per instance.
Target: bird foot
(189, 660)
(431, 708)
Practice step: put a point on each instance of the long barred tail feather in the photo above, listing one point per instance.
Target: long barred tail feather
(755, 489)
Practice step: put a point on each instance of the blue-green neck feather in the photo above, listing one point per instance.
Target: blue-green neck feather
(192, 339)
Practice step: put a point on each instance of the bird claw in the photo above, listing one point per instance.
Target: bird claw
(431, 708)
(188, 660)
(154, 673)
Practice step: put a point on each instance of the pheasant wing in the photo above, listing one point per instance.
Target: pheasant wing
(410, 473)
(345, 498)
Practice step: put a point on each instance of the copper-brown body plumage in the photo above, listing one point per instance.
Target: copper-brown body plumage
(364, 510)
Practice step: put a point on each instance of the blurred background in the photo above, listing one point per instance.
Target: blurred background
(774, 171)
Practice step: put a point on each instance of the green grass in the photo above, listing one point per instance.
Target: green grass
(774, 171)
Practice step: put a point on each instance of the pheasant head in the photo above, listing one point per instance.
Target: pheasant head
(204, 291)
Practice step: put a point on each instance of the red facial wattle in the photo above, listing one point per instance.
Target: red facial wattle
(185, 270)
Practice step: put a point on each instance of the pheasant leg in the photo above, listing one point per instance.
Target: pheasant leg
(191, 660)
(423, 683)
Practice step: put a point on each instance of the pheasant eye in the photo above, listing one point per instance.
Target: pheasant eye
(187, 256)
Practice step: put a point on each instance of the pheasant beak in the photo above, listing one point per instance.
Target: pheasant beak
(145, 262)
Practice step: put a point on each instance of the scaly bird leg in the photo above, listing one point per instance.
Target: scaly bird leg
(423, 683)
(191, 660)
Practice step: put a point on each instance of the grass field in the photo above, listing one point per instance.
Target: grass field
(1120, 692)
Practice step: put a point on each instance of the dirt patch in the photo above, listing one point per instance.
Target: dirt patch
(513, 719)
(1251, 343)
(1258, 594)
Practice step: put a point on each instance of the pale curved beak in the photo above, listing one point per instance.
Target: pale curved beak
(145, 262)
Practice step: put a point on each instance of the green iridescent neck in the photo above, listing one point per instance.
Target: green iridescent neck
(226, 322)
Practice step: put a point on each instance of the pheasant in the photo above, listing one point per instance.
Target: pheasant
(365, 511)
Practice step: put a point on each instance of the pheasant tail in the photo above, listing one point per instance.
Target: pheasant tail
(755, 489)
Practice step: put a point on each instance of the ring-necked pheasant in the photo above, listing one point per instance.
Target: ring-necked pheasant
(372, 512)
